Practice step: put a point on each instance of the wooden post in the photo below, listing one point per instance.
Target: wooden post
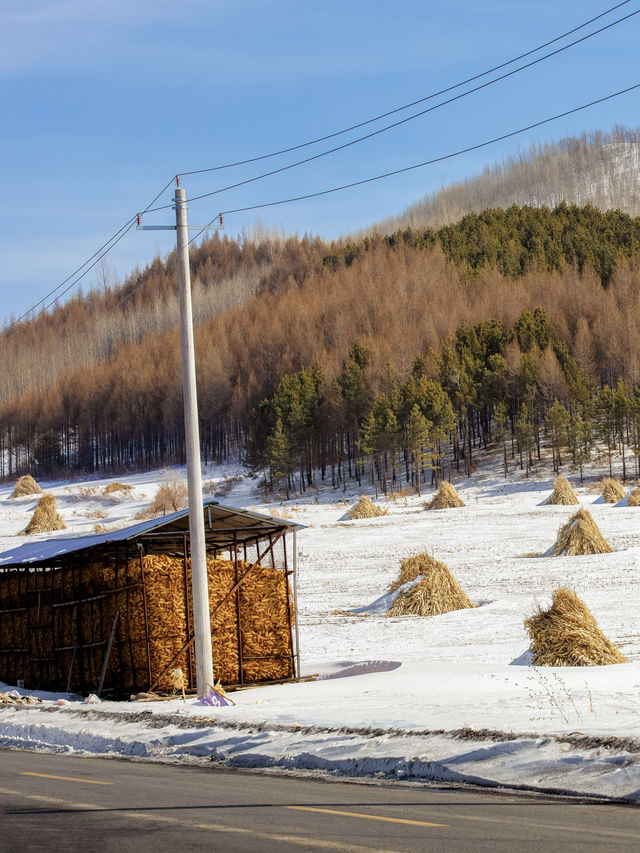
(238, 625)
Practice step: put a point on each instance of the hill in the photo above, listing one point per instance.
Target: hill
(312, 355)
(322, 370)
(599, 169)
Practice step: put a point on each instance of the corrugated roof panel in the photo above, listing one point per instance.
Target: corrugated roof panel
(225, 518)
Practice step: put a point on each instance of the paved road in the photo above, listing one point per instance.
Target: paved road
(64, 803)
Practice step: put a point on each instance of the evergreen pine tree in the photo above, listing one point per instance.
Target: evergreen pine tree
(417, 439)
(279, 457)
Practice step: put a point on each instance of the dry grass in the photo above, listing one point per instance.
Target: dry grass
(563, 494)
(26, 486)
(114, 487)
(594, 487)
(401, 494)
(365, 508)
(612, 490)
(86, 492)
(446, 497)
(580, 535)
(634, 497)
(45, 517)
(280, 513)
(221, 490)
(567, 635)
(90, 513)
(437, 592)
(170, 497)
(101, 528)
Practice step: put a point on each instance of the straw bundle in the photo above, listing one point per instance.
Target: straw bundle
(563, 494)
(413, 567)
(445, 498)
(580, 535)
(567, 635)
(365, 508)
(634, 497)
(612, 491)
(45, 517)
(437, 592)
(26, 486)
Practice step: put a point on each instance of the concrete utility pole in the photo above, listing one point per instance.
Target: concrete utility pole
(199, 581)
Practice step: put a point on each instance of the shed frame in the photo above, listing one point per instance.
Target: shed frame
(44, 585)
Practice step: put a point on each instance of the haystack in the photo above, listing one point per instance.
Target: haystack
(26, 486)
(446, 497)
(437, 592)
(365, 508)
(563, 494)
(411, 568)
(612, 491)
(634, 497)
(580, 535)
(45, 517)
(567, 635)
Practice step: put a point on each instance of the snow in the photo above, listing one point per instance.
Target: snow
(451, 698)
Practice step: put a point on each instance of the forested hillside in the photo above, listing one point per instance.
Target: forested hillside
(88, 329)
(391, 358)
(600, 169)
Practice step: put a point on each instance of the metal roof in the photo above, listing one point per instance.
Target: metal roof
(224, 525)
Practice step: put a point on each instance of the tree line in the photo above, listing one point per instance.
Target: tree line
(519, 390)
(393, 357)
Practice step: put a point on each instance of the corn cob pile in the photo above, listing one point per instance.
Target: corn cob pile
(61, 620)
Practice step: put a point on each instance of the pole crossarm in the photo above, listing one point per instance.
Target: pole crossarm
(173, 227)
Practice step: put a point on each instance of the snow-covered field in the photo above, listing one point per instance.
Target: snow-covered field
(447, 698)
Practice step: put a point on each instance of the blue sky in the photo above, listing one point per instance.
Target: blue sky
(102, 101)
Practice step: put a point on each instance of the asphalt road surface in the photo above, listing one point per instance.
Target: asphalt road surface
(65, 803)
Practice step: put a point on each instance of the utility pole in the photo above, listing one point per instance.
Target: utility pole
(199, 580)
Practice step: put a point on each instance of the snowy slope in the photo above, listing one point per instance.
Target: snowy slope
(443, 698)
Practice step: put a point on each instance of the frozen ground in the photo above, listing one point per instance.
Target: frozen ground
(446, 698)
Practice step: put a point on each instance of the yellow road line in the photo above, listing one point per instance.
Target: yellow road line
(65, 778)
(366, 816)
(301, 840)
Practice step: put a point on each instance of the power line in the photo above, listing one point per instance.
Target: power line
(403, 170)
(80, 277)
(432, 161)
(75, 277)
(69, 277)
(98, 255)
(412, 103)
(403, 120)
